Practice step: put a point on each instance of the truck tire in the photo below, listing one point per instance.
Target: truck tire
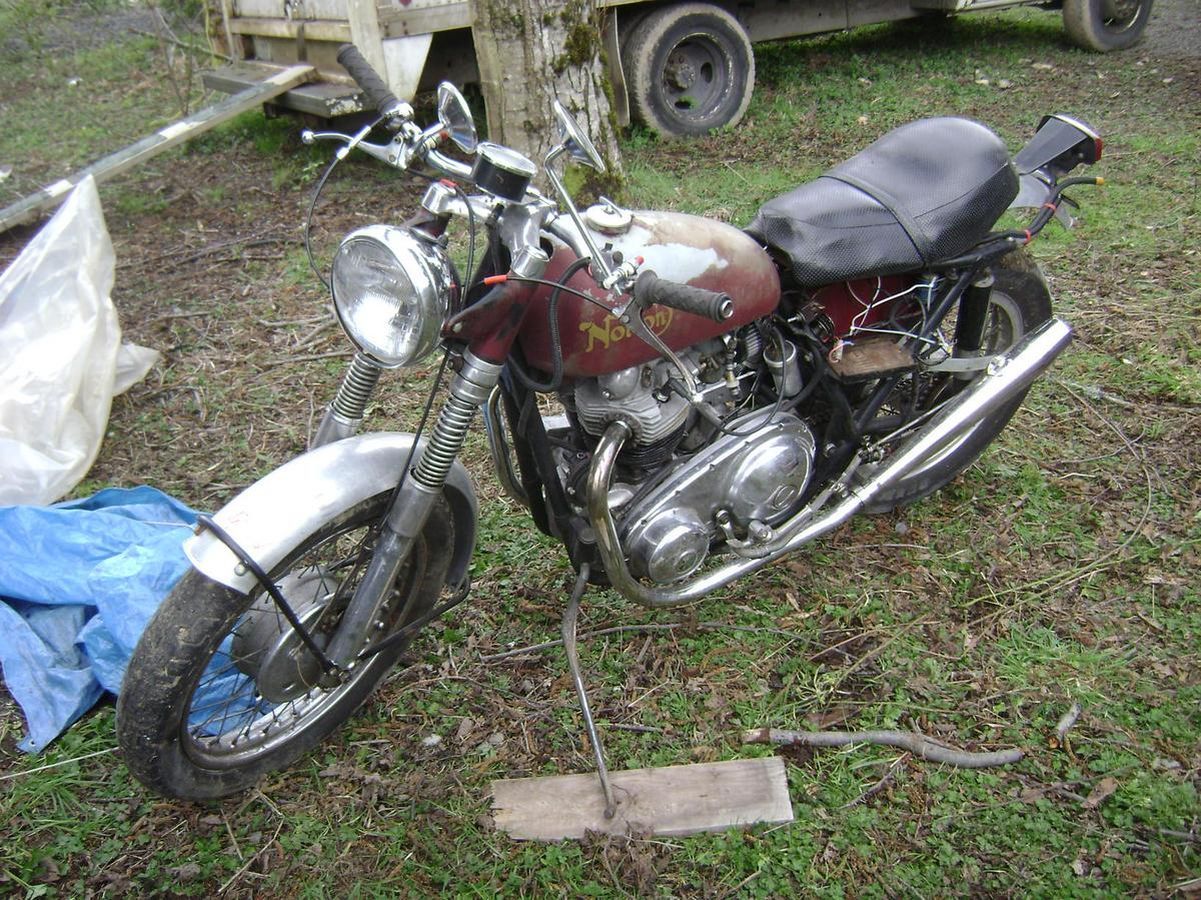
(689, 68)
(1104, 25)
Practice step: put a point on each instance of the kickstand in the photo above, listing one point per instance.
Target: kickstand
(573, 661)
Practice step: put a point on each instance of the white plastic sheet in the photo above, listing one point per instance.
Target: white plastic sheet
(61, 357)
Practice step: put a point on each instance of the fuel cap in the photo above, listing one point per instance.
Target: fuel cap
(608, 218)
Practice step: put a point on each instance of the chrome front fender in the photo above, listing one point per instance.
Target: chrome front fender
(274, 514)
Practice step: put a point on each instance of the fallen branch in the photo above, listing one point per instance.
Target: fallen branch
(250, 862)
(187, 255)
(1065, 725)
(191, 48)
(312, 357)
(637, 729)
(1180, 835)
(55, 765)
(915, 743)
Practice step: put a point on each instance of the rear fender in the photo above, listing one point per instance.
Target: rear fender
(1061, 144)
(274, 514)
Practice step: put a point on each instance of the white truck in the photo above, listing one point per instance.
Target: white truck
(680, 68)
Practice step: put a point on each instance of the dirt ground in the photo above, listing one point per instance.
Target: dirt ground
(1173, 30)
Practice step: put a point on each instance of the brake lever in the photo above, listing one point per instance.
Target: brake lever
(631, 315)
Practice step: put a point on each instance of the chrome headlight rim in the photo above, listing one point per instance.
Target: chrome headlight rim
(420, 307)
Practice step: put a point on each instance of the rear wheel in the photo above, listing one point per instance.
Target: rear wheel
(1104, 25)
(1019, 302)
(689, 69)
(221, 690)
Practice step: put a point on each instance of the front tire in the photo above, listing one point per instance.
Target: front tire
(689, 69)
(1020, 301)
(193, 718)
(1104, 25)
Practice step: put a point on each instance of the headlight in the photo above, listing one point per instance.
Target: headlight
(392, 290)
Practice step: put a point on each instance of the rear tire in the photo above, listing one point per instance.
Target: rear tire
(192, 721)
(1020, 302)
(1105, 25)
(689, 69)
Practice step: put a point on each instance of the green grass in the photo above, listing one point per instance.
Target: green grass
(1060, 569)
(101, 110)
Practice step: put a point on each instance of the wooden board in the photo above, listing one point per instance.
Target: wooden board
(325, 99)
(316, 30)
(675, 800)
(113, 165)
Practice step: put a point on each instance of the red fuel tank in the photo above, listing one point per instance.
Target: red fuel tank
(678, 247)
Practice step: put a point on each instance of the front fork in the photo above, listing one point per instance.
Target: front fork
(419, 490)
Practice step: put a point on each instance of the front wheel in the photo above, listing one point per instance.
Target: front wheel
(221, 691)
(1104, 25)
(1019, 302)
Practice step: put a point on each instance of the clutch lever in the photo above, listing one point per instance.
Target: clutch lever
(350, 142)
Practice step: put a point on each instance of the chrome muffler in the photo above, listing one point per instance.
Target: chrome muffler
(1004, 380)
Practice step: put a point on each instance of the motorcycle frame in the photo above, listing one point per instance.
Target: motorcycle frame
(483, 336)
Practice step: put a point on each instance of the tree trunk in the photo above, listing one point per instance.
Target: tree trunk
(531, 51)
(216, 29)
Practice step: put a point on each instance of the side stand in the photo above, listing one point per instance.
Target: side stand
(671, 800)
(570, 615)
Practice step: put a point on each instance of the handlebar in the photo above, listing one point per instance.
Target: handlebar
(526, 219)
(715, 305)
(368, 79)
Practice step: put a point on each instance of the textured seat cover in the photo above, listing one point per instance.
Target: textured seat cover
(926, 191)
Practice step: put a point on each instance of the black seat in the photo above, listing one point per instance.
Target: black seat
(926, 191)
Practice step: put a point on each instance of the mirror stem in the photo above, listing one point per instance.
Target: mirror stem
(601, 270)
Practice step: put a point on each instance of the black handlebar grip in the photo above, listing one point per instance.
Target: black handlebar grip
(366, 77)
(715, 305)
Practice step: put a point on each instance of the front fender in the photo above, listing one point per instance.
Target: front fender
(274, 514)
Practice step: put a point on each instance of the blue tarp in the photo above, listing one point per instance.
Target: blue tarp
(78, 583)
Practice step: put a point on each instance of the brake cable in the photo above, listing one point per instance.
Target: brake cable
(265, 582)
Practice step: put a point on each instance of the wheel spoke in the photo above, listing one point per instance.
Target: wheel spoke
(222, 698)
(227, 720)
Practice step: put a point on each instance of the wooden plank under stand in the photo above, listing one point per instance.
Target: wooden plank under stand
(668, 801)
(31, 207)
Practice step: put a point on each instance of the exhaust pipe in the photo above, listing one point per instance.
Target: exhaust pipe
(1004, 380)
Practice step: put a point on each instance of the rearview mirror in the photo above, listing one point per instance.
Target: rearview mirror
(573, 139)
(455, 116)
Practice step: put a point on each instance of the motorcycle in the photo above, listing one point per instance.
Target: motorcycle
(728, 396)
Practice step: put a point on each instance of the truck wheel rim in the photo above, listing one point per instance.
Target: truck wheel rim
(1119, 15)
(696, 77)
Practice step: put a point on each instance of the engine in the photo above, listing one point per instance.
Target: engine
(694, 473)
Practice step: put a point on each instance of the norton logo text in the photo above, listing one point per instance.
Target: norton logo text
(611, 331)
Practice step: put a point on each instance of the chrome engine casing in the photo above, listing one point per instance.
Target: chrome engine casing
(629, 395)
(750, 477)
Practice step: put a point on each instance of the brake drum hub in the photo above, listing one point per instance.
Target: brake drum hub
(270, 651)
